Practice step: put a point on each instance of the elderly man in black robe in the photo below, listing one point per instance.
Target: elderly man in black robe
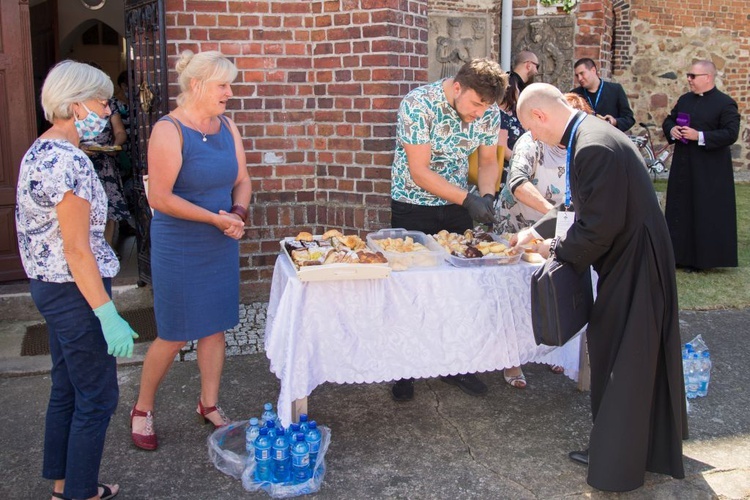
(701, 211)
(637, 389)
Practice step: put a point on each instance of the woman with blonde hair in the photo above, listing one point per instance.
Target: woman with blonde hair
(61, 213)
(200, 191)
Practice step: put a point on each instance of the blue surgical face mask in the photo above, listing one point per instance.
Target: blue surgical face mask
(91, 126)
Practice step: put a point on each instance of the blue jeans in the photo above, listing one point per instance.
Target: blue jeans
(84, 387)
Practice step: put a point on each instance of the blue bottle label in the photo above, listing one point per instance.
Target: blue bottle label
(280, 454)
(300, 460)
(261, 455)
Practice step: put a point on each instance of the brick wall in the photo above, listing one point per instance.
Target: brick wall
(315, 100)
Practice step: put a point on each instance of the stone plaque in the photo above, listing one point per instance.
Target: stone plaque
(551, 39)
(454, 39)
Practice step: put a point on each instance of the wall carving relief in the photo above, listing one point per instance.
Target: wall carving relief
(452, 40)
(551, 39)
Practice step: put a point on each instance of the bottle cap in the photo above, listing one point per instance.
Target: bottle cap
(294, 427)
(270, 424)
(263, 431)
(300, 436)
(313, 424)
(280, 432)
(303, 417)
(254, 421)
(268, 406)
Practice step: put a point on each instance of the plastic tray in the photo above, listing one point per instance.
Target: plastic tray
(333, 272)
(400, 261)
(487, 260)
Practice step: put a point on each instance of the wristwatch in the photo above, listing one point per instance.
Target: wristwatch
(553, 245)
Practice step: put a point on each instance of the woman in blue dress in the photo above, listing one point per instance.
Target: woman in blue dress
(200, 190)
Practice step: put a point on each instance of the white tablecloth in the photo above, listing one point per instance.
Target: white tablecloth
(417, 323)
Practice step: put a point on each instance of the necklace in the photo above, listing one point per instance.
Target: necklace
(199, 130)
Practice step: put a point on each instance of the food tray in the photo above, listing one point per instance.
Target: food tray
(487, 260)
(334, 272)
(400, 261)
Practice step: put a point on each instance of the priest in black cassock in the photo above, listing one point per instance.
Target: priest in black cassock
(701, 211)
(637, 389)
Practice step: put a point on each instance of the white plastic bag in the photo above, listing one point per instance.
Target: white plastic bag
(226, 450)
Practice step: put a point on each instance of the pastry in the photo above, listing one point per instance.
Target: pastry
(331, 233)
(304, 236)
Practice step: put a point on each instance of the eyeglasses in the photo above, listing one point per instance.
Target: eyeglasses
(536, 64)
(692, 76)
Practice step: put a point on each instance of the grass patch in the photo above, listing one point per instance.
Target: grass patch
(724, 288)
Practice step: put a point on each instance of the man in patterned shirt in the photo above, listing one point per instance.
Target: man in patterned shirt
(439, 125)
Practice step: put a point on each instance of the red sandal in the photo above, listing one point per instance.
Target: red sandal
(202, 411)
(146, 441)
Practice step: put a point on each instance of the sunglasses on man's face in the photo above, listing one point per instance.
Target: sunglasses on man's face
(536, 64)
(692, 76)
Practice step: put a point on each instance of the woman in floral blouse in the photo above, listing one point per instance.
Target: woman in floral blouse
(61, 212)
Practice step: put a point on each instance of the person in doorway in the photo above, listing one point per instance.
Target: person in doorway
(607, 99)
(61, 213)
(616, 226)
(439, 125)
(701, 208)
(200, 191)
(103, 150)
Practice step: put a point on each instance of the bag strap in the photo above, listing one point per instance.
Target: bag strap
(178, 126)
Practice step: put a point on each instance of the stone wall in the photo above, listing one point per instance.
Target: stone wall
(652, 45)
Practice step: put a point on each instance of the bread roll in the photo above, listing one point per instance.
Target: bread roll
(304, 236)
(331, 233)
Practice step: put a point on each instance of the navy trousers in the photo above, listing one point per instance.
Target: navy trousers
(84, 389)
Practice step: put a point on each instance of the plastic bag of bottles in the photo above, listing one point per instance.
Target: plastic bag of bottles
(290, 489)
(226, 449)
(696, 364)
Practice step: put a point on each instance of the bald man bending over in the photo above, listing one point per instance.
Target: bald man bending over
(637, 390)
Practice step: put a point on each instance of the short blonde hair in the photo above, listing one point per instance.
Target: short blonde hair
(70, 82)
(204, 67)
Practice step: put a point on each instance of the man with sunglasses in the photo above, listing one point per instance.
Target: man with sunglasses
(701, 211)
(607, 99)
(525, 68)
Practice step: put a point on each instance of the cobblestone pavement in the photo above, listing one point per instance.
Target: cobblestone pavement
(245, 338)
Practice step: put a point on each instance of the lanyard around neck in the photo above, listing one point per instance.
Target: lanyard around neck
(598, 95)
(578, 121)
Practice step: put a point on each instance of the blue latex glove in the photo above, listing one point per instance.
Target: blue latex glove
(117, 331)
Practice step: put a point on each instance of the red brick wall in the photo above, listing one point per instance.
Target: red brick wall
(315, 100)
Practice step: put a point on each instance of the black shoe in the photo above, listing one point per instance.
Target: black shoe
(580, 457)
(403, 390)
(468, 383)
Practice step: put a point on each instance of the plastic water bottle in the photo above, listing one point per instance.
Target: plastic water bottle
(685, 368)
(692, 376)
(263, 462)
(704, 373)
(268, 414)
(251, 434)
(291, 435)
(313, 439)
(271, 426)
(300, 460)
(281, 461)
(303, 425)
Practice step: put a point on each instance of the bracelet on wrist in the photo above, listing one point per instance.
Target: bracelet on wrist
(239, 210)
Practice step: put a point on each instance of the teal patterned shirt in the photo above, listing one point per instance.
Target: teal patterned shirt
(426, 117)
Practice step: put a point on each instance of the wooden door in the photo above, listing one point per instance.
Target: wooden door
(17, 123)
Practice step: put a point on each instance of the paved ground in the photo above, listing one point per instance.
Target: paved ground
(444, 444)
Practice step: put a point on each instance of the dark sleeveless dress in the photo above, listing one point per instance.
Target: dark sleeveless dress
(194, 266)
